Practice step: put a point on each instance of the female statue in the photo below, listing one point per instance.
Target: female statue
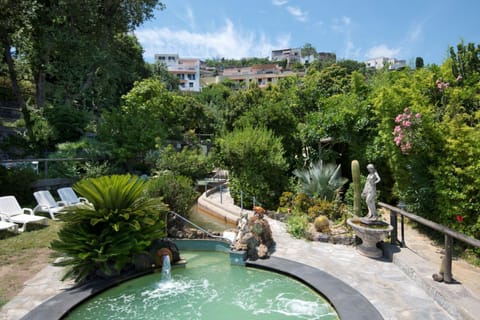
(370, 190)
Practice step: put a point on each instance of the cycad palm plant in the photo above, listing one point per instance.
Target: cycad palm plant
(105, 236)
(320, 180)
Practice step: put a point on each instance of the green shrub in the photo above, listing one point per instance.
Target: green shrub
(175, 190)
(104, 237)
(321, 207)
(255, 160)
(297, 225)
(286, 199)
(189, 162)
(85, 148)
(302, 202)
(17, 182)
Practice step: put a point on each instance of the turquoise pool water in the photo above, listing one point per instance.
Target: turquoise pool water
(208, 288)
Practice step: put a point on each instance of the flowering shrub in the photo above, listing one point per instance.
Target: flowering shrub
(404, 131)
(443, 85)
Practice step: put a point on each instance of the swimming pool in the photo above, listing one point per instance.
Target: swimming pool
(209, 287)
(348, 302)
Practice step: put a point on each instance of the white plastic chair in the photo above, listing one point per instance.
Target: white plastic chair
(10, 208)
(46, 203)
(69, 196)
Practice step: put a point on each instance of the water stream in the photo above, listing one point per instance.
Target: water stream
(166, 269)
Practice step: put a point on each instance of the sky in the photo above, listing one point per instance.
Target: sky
(352, 29)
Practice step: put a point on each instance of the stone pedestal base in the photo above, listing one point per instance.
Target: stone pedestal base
(370, 251)
(370, 236)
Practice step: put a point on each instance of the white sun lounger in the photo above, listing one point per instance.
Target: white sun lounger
(10, 208)
(47, 203)
(6, 224)
(69, 197)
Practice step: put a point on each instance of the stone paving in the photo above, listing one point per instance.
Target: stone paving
(401, 289)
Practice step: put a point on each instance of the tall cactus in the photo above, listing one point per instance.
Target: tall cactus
(357, 208)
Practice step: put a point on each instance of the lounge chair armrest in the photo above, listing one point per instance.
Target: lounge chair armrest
(83, 199)
(39, 207)
(28, 210)
(62, 203)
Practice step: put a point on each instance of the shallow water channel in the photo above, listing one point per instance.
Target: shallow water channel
(208, 221)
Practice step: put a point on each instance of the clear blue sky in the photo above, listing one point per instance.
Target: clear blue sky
(353, 29)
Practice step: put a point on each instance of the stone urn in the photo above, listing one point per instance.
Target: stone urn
(370, 232)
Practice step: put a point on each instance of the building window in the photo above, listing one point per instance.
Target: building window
(190, 84)
(191, 77)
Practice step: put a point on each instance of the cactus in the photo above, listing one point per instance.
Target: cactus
(356, 188)
(322, 224)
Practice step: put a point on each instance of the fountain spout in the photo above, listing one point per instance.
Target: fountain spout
(166, 268)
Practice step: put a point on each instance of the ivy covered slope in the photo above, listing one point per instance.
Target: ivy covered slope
(104, 237)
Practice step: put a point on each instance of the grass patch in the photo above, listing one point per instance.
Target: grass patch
(23, 255)
(36, 236)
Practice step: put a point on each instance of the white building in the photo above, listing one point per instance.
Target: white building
(381, 62)
(292, 55)
(187, 70)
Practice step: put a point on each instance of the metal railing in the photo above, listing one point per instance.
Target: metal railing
(34, 163)
(243, 195)
(448, 233)
(197, 226)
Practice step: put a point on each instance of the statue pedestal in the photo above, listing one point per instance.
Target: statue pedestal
(370, 232)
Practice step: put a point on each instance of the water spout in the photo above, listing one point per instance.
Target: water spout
(166, 268)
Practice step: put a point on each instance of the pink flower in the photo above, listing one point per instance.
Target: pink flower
(404, 131)
(459, 77)
(441, 85)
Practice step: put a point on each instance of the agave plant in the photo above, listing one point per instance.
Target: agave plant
(321, 180)
(106, 235)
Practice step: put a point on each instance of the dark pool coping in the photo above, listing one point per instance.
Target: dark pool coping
(58, 306)
(348, 302)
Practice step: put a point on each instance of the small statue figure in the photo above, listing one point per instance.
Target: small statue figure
(370, 190)
(242, 226)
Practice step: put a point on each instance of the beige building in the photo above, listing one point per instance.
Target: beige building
(261, 75)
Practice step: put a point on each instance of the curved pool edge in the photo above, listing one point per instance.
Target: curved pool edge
(347, 301)
(59, 305)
